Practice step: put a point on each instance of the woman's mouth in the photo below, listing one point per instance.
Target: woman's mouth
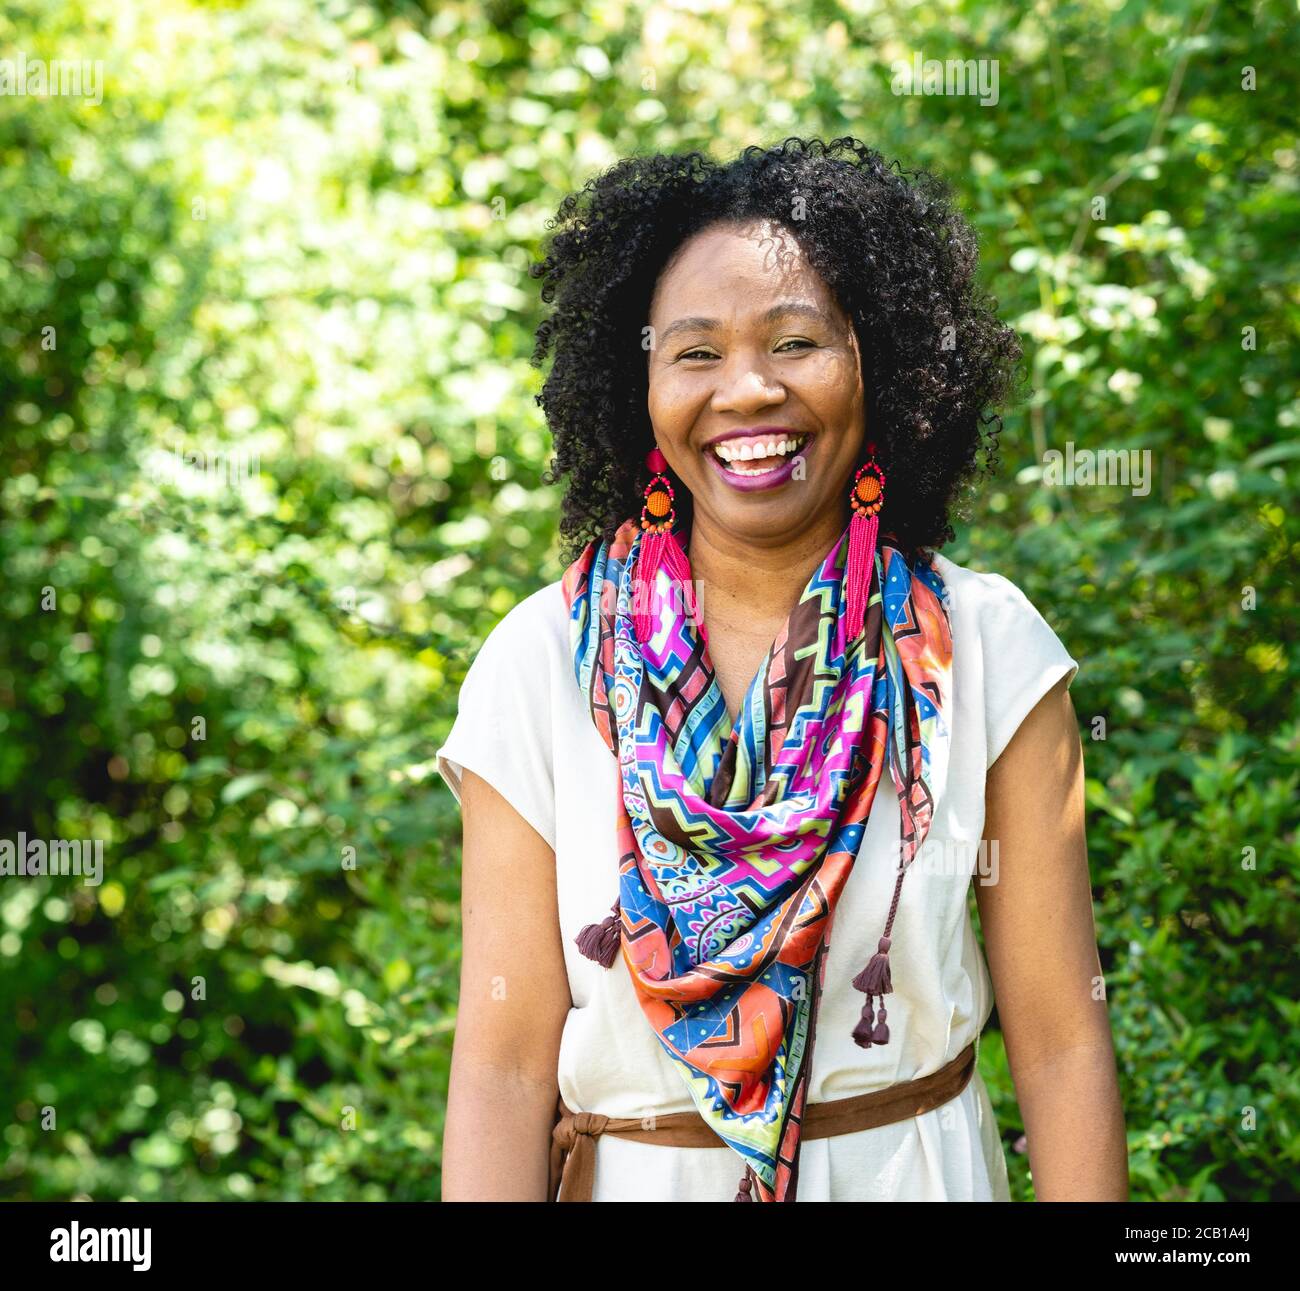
(763, 459)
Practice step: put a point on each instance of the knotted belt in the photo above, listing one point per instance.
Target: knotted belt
(573, 1141)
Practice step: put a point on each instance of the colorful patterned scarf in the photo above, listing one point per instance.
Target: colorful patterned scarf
(734, 844)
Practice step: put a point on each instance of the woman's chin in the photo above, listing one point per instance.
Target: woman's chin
(763, 519)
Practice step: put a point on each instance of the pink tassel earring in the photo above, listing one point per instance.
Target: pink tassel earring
(659, 547)
(867, 496)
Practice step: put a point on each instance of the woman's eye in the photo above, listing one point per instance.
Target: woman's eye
(801, 342)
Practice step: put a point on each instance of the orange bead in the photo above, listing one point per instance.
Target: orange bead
(657, 504)
(868, 488)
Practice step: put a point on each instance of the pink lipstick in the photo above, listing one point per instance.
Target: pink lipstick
(757, 457)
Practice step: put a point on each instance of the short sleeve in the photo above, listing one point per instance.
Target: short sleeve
(1023, 660)
(503, 729)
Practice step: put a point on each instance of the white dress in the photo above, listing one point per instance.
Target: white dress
(524, 727)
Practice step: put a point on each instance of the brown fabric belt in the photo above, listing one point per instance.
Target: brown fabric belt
(573, 1141)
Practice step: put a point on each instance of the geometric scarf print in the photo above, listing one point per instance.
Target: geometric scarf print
(735, 842)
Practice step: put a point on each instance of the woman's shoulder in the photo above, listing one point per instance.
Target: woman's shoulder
(1003, 645)
(504, 711)
(975, 584)
(531, 636)
(525, 660)
(988, 600)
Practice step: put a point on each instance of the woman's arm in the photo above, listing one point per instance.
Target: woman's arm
(1042, 956)
(514, 997)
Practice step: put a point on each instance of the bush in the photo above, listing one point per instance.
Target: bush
(293, 240)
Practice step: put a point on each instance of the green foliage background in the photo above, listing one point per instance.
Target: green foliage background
(300, 230)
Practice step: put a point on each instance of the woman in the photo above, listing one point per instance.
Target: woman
(759, 700)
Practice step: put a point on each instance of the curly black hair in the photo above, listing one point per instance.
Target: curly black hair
(894, 251)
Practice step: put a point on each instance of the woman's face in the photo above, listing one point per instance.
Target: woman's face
(755, 385)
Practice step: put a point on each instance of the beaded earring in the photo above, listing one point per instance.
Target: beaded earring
(866, 497)
(660, 549)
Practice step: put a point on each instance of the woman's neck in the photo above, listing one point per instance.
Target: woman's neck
(752, 587)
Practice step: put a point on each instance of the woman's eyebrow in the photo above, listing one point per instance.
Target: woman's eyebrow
(782, 309)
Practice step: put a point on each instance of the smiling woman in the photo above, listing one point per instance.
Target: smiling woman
(771, 379)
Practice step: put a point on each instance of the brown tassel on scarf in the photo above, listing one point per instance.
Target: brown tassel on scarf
(875, 978)
(746, 1183)
(599, 941)
(877, 981)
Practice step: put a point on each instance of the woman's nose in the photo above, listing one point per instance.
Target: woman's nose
(747, 391)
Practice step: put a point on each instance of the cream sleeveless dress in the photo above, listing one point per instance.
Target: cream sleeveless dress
(523, 726)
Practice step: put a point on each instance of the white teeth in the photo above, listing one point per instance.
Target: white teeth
(730, 452)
